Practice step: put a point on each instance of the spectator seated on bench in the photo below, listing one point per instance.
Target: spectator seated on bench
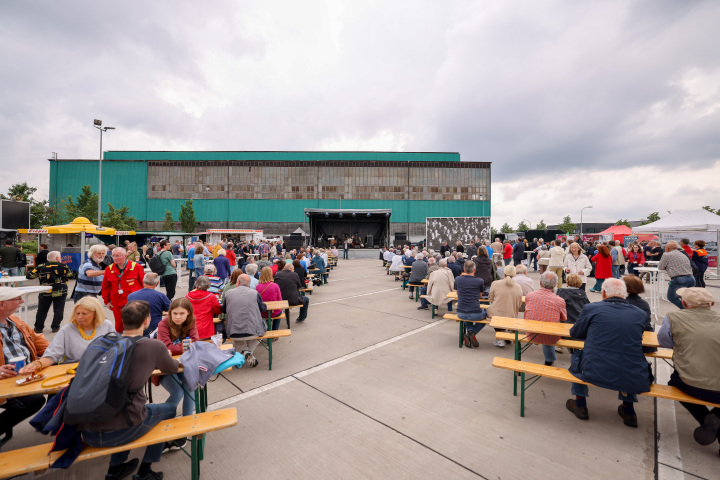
(545, 306)
(505, 297)
(396, 264)
(270, 292)
(612, 357)
(244, 323)
(694, 336)
(440, 283)
(205, 307)
(469, 288)
(290, 287)
(150, 354)
(418, 271)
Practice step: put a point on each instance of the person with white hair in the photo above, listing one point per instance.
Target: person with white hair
(612, 356)
(523, 280)
(678, 267)
(56, 275)
(505, 298)
(90, 274)
(418, 272)
(121, 278)
(251, 270)
(545, 306)
(440, 282)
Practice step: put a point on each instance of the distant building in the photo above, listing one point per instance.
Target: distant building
(271, 191)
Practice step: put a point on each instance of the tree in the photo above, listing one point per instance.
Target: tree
(653, 217)
(493, 232)
(623, 222)
(567, 226)
(541, 225)
(506, 228)
(523, 227)
(86, 205)
(40, 212)
(119, 219)
(188, 221)
(168, 224)
(716, 211)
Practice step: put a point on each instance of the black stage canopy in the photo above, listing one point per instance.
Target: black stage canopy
(366, 228)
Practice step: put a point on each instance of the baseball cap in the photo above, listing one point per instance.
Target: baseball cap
(9, 293)
(696, 296)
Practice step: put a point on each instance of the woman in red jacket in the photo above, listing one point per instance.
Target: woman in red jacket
(172, 330)
(603, 268)
(205, 305)
(507, 252)
(635, 258)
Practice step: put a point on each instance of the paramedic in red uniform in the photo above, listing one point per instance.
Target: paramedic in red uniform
(120, 280)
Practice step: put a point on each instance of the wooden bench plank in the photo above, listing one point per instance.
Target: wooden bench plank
(660, 391)
(275, 334)
(36, 458)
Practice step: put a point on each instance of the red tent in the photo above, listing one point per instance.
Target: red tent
(618, 230)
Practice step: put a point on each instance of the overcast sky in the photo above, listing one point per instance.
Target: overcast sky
(614, 104)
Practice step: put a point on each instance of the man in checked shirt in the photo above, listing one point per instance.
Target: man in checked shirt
(678, 268)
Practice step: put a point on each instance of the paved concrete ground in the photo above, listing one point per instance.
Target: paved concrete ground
(371, 387)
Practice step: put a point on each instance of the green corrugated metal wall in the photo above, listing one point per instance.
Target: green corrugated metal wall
(289, 156)
(125, 184)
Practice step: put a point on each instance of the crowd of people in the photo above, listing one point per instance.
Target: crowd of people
(613, 356)
(120, 283)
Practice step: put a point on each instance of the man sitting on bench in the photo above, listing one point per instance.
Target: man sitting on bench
(694, 336)
(290, 285)
(469, 288)
(150, 354)
(613, 357)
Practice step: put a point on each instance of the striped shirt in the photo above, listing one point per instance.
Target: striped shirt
(89, 284)
(13, 342)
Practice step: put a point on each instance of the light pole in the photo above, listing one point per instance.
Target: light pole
(528, 223)
(581, 222)
(98, 124)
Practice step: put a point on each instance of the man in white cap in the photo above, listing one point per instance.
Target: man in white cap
(17, 340)
(694, 335)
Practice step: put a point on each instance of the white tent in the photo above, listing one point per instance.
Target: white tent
(683, 221)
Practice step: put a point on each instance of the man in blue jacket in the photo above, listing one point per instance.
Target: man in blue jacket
(612, 357)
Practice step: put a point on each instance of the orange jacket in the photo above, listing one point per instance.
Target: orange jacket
(36, 342)
(132, 281)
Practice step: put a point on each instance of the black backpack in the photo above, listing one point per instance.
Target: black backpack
(156, 265)
(99, 390)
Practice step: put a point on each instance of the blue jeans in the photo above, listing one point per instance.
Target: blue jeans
(473, 327)
(176, 387)
(679, 282)
(345, 254)
(191, 280)
(598, 284)
(12, 272)
(549, 352)
(616, 271)
(156, 413)
(580, 390)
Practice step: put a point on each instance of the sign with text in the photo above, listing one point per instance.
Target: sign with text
(710, 239)
(629, 239)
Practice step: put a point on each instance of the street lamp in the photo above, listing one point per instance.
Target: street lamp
(581, 222)
(98, 124)
(528, 223)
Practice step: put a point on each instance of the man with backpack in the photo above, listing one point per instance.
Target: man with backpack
(164, 265)
(121, 278)
(136, 418)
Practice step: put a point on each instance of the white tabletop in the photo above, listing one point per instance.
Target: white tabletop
(15, 279)
(647, 269)
(28, 290)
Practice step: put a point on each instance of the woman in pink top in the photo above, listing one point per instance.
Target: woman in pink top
(269, 292)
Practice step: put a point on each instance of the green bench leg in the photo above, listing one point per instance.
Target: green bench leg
(462, 328)
(270, 342)
(417, 294)
(517, 357)
(432, 312)
(195, 457)
(522, 394)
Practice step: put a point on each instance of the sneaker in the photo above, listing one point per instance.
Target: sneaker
(250, 360)
(423, 307)
(707, 433)
(38, 331)
(55, 329)
(474, 341)
(629, 419)
(467, 340)
(150, 476)
(127, 469)
(499, 343)
(175, 445)
(299, 319)
(548, 364)
(558, 350)
(580, 412)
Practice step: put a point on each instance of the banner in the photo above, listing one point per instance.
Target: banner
(710, 238)
(629, 239)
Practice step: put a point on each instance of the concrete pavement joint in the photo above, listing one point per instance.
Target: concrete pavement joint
(317, 368)
(414, 440)
(394, 315)
(682, 472)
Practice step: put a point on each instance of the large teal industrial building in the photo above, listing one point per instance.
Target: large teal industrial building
(272, 190)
